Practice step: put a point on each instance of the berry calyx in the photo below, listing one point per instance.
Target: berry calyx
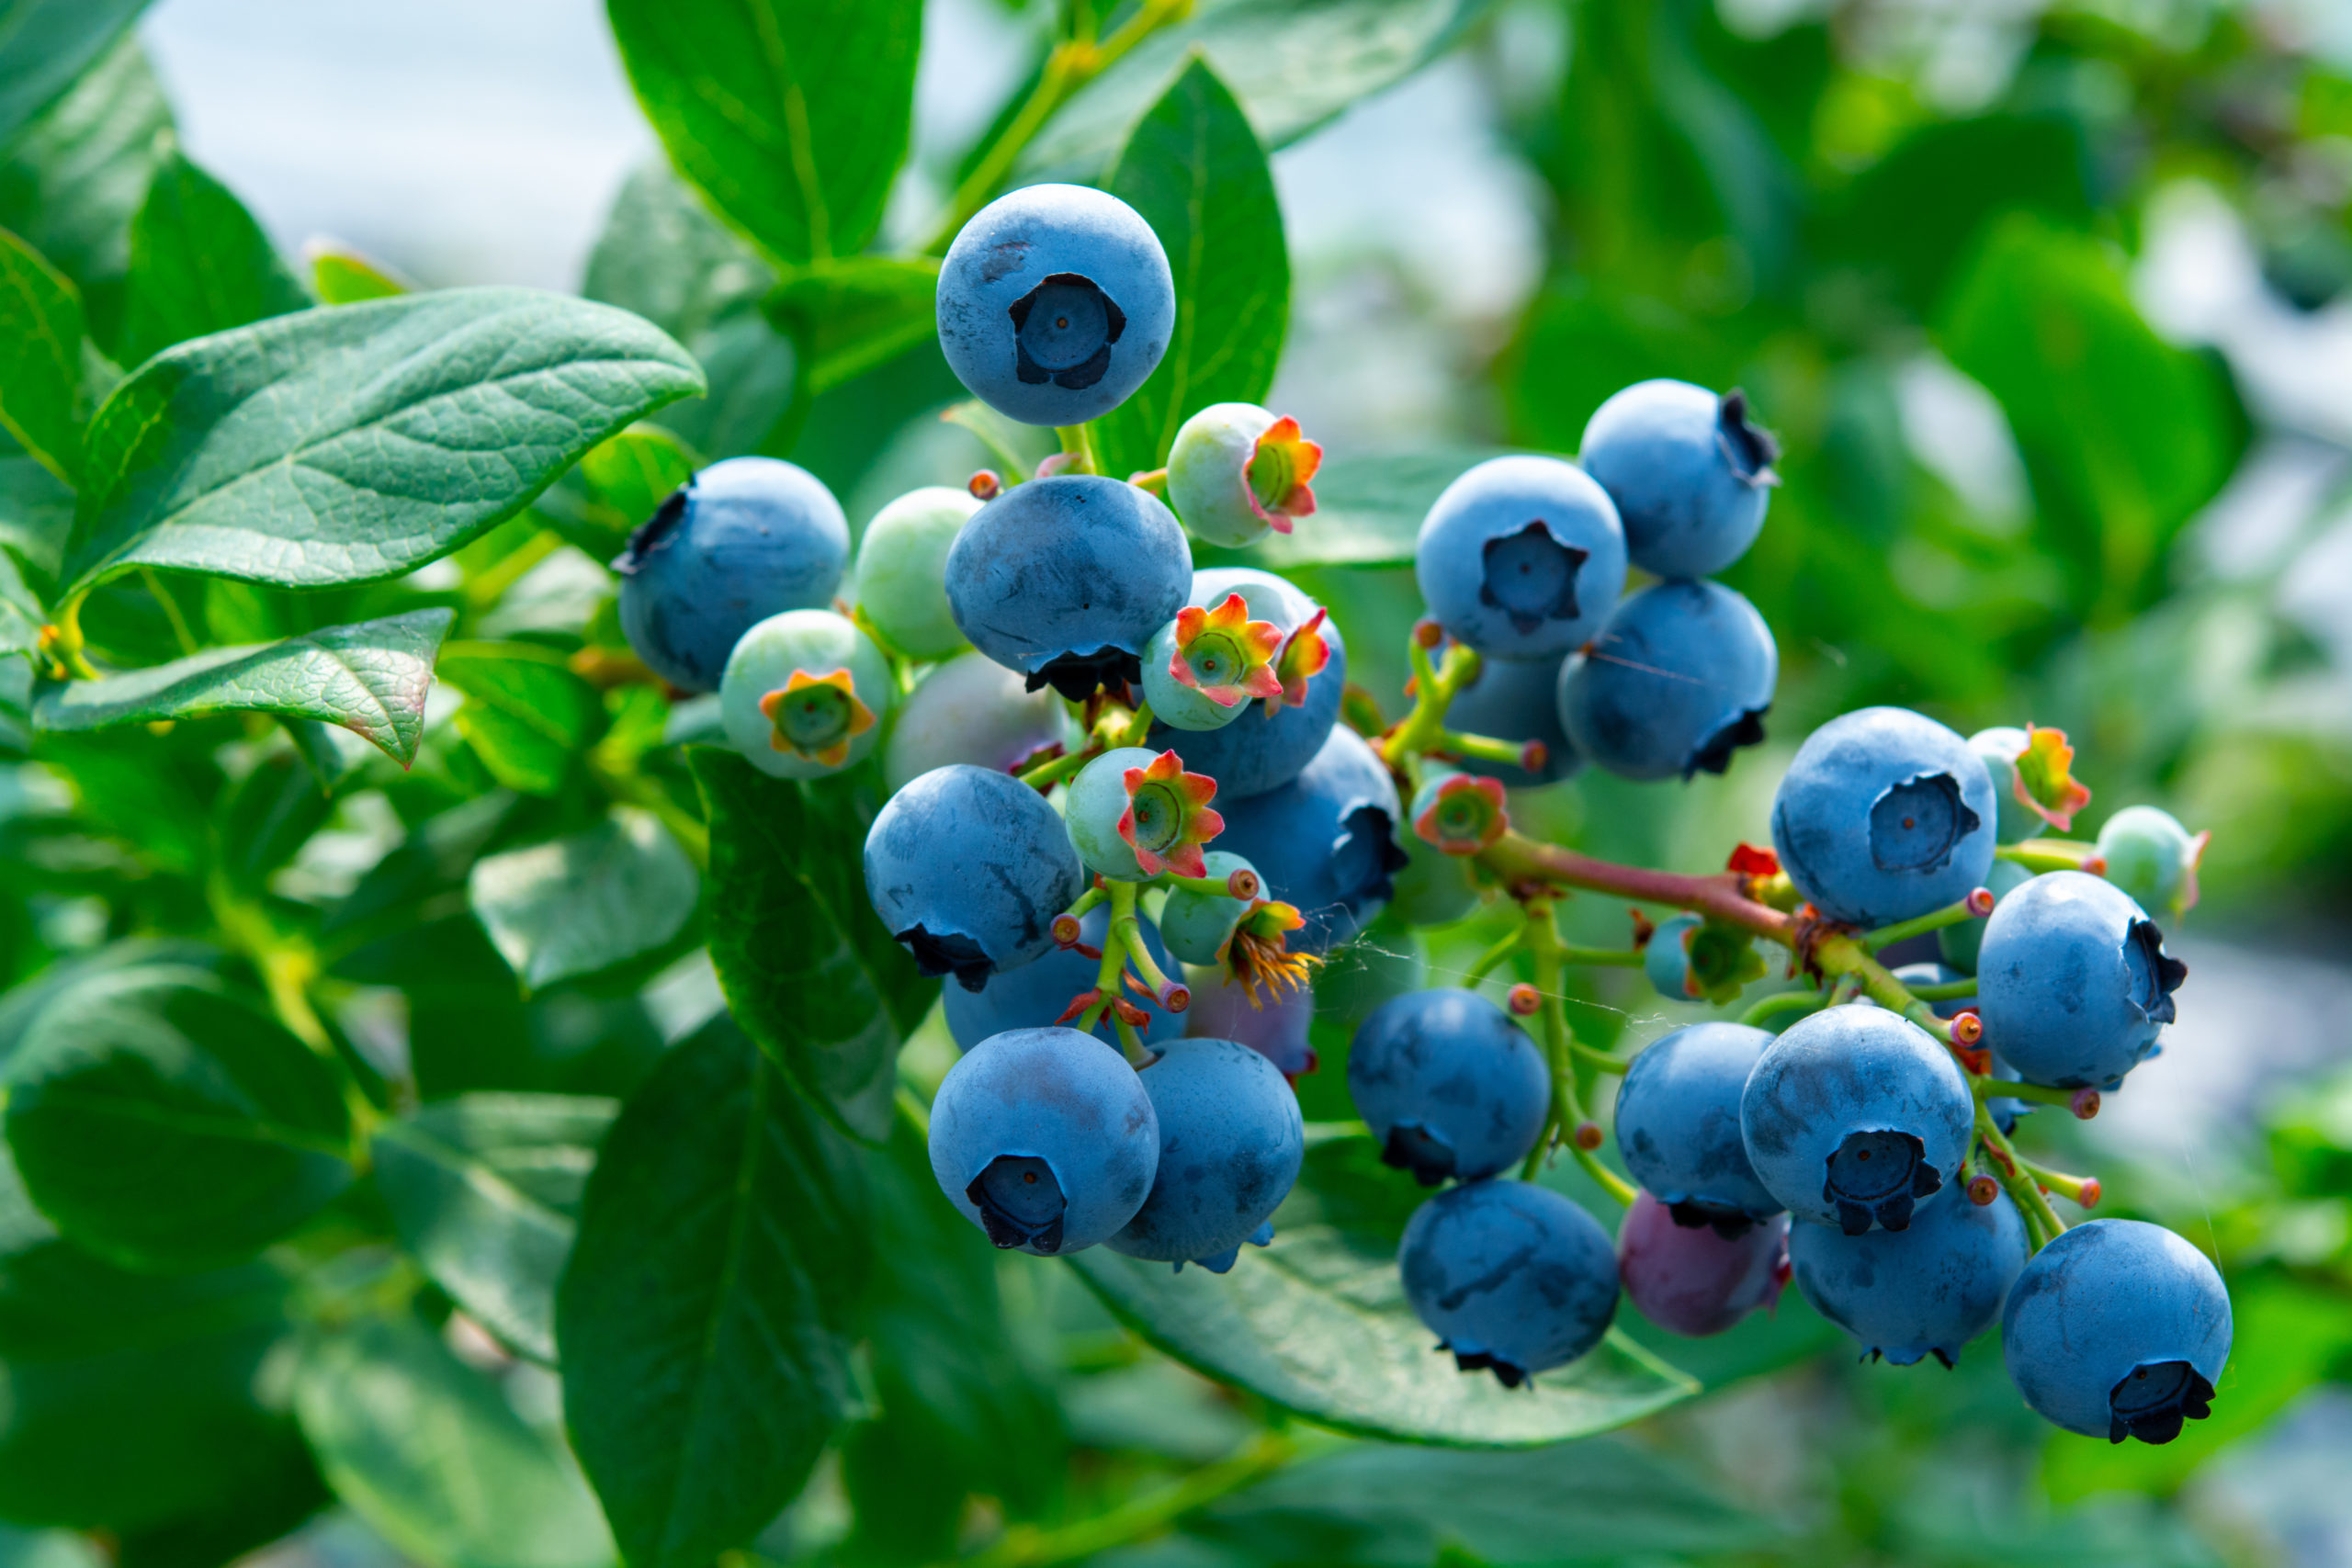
(1257, 954)
(815, 718)
(2044, 786)
(984, 484)
(1278, 468)
(1303, 656)
(1982, 1190)
(2085, 1104)
(1225, 655)
(1459, 814)
(1168, 818)
(1523, 1001)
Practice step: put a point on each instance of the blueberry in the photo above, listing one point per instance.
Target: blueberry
(1666, 958)
(804, 694)
(1926, 1290)
(1262, 750)
(2074, 981)
(1207, 668)
(1884, 815)
(2005, 1111)
(1690, 475)
(1432, 889)
(1958, 945)
(1034, 995)
(1133, 815)
(1195, 925)
(1236, 472)
(1853, 1116)
(1275, 1028)
(1230, 1145)
(900, 583)
(1326, 841)
(1694, 1281)
(1521, 558)
(1055, 304)
(1512, 1277)
(2117, 1329)
(1678, 679)
(1450, 1085)
(1067, 579)
(2153, 858)
(1044, 1140)
(741, 541)
(1678, 1125)
(967, 869)
(2000, 748)
(972, 709)
(1516, 700)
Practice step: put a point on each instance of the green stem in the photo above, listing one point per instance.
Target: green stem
(2011, 1172)
(1139, 729)
(1052, 771)
(1078, 440)
(1602, 957)
(1127, 932)
(1601, 1061)
(2065, 1183)
(1027, 1547)
(1933, 921)
(2037, 855)
(1795, 1003)
(1492, 959)
(1088, 901)
(62, 640)
(1423, 729)
(1990, 1087)
(1567, 1113)
(1485, 747)
(1114, 957)
(1950, 991)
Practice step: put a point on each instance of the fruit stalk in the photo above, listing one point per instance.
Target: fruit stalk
(2010, 1170)
(1566, 1121)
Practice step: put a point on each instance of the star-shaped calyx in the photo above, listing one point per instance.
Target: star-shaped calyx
(2044, 784)
(1168, 816)
(1460, 814)
(815, 718)
(1304, 655)
(1278, 468)
(1225, 655)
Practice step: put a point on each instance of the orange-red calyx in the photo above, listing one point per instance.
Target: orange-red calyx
(1225, 655)
(2044, 784)
(1464, 816)
(1168, 816)
(1279, 466)
(1304, 655)
(815, 718)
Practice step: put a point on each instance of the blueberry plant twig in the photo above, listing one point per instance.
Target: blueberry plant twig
(1977, 905)
(2011, 1172)
(1052, 770)
(1494, 957)
(1566, 1121)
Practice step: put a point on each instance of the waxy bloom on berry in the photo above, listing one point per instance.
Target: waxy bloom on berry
(815, 717)
(1459, 814)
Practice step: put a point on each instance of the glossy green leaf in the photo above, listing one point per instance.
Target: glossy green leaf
(370, 679)
(1293, 64)
(851, 315)
(164, 1121)
(1194, 168)
(344, 276)
(704, 1316)
(790, 115)
(1368, 507)
(199, 264)
(21, 611)
(45, 44)
(527, 715)
(355, 442)
(36, 510)
(616, 488)
(429, 1452)
(578, 906)
(41, 357)
(484, 1189)
(806, 968)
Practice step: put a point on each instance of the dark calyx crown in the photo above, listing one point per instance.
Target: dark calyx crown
(1714, 755)
(1086, 372)
(1075, 675)
(2155, 1399)
(949, 955)
(1856, 1187)
(647, 536)
(1697, 1213)
(2164, 973)
(1412, 1147)
(1749, 448)
(1506, 1373)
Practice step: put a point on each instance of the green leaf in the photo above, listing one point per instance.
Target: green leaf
(199, 264)
(807, 969)
(483, 1191)
(851, 315)
(429, 1452)
(357, 442)
(791, 116)
(1194, 168)
(1368, 507)
(704, 1316)
(165, 1123)
(1293, 64)
(41, 357)
(616, 488)
(578, 906)
(340, 276)
(1317, 1324)
(370, 679)
(21, 611)
(45, 44)
(36, 510)
(527, 715)
(2124, 437)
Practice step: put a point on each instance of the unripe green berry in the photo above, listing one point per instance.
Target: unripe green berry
(901, 579)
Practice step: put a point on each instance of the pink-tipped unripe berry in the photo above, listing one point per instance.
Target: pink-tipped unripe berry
(1243, 883)
(2084, 1105)
(1524, 999)
(1967, 1028)
(985, 485)
(1980, 902)
(1586, 1135)
(1982, 1190)
(1066, 930)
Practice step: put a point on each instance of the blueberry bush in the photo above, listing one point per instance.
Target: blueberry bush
(1021, 961)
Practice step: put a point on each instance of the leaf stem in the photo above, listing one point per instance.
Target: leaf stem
(1492, 959)
(1485, 747)
(1027, 1547)
(1958, 990)
(1434, 682)
(1139, 729)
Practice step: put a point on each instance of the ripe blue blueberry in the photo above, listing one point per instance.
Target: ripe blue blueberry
(972, 709)
(1055, 304)
(1230, 1145)
(1450, 1085)
(1266, 747)
(1521, 558)
(2074, 981)
(2006, 1110)
(1926, 1290)
(1678, 679)
(1034, 995)
(1693, 1281)
(804, 694)
(1516, 700)
(1853, 1116)
(1690, 475)
(1678, 1125)
(900, 582)
(1066, 578)
(2153, 858)
(1223, 1008)
(1512, 1277)
(1958, 945)
(1044, 1140)
(967, 869)
(741, 541)
(1324, 843)
(2118, 1329)
(1884, 815)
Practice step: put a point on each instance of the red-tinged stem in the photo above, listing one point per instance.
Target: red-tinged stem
(1517, 859)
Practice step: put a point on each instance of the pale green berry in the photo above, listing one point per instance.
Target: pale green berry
(901, 579)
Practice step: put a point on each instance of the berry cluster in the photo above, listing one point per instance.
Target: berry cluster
(1119, 784)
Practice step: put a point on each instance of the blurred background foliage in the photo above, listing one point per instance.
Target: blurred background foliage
(2051, 308)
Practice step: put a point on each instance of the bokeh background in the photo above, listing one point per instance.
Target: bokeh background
(2051, 308)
